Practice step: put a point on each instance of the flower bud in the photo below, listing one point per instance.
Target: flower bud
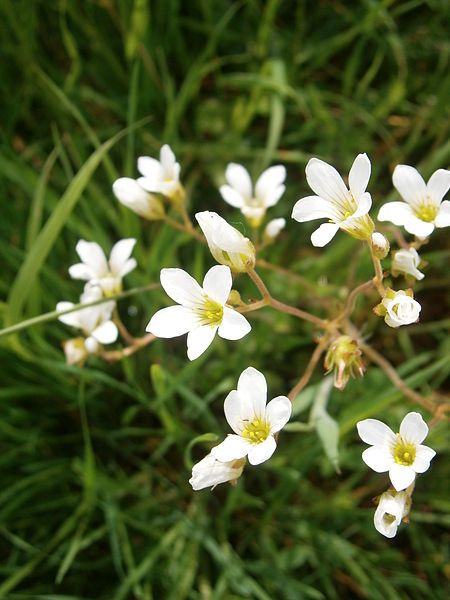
(228, 246)
(406, 261)
(398, 308)
(75, 351)
(209, 472)
(380, 245)
(132, 195)
(273, 229)
(392, 508)
(344, 356)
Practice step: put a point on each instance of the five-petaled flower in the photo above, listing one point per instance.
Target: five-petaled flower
(398, 308)
(209, 472)
(201, 311)
(392, 508)
(253, 203)
(161, 176)
(344, 208)
(99, 271)
(422, 209)
(227, 245)
(132, 195)
(402, 454)
(94, 321)
(255, 424)
(406, 261)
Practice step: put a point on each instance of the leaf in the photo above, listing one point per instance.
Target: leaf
(327, 428)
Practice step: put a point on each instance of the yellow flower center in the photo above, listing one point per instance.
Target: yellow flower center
(404, 452)
(426, 212)
(212, 312)
(257, 431)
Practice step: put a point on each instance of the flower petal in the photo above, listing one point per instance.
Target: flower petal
(129, 266)
(72, 319)
(378, 458)
(375, 433)
(359, 176)
(93, 256)
(167, 158)
(443, 216)
(326, 182)
(217, 283)
(199, 339)
(424, 454)
(314, 207)
(252, 388)
(438, 185)
(232, 196)
(150, 168)
(278, 413)
(417, 227)
(120, 253)
(181, 287)
(401, 476)
(364, 205)
(172, 321)
(409, 184)
(82, 271)
(272, 196)
(234, 326)
(106, 333)
(235, 412)
(324, 234)
(395, 212)
(232, 448)
(413, 428)
(259, 453)
(131, 194)
(269, 186)
(239, 179)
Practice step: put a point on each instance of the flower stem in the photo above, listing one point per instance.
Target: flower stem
(281, 306)
(138, 343)
(304, 379)
(378, 279)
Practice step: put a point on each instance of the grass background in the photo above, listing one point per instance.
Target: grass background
(94, 502)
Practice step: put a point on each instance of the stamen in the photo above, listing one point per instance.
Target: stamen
(257, 431)
(404, 452)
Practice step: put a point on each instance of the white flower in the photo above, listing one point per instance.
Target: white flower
(132, 195)
(253, 202)
(422, 209)
(227, 245)
(401, 454)
(254, 423)
(407, 261)
(105, 273)
(401, 308)
(163, 175)
(273, 228)
(380, 245)
(94, 321)
(201, 312)
(209, 472)
(392, 508)
(344, 209)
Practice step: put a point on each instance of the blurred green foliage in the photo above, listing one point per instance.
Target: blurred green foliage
(95, 502)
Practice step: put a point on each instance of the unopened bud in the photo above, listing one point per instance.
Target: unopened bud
(344, 357)
(273, 229)
(380, 245)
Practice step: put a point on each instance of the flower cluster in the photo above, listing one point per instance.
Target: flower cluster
(214, 307)
(104, 279)
(403, 456)
(255, 423)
